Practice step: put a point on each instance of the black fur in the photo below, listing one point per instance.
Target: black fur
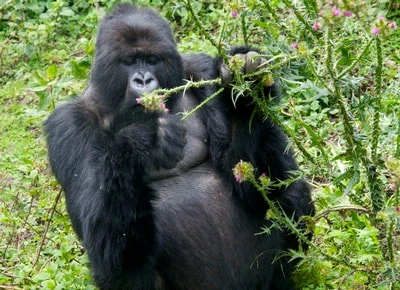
(153, 198)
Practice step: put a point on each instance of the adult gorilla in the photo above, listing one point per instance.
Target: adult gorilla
(153, 198)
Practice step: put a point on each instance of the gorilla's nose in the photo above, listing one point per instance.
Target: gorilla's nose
(143, 82)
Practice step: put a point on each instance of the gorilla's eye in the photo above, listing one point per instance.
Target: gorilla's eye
(128, 60)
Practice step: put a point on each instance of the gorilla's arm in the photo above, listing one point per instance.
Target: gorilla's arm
(235, 134)
(262, 143)
(102, 174)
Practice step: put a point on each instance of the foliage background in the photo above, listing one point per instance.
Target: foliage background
(340, 110)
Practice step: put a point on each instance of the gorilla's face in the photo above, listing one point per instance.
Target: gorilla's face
(135, 54)
(141, 72)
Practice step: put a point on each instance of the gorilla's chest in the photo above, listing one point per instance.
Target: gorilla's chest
(196, 148)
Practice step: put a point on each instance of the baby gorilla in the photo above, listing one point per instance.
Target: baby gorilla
(152, 197)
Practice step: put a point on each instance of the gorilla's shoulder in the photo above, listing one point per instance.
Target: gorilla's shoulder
(198, 66)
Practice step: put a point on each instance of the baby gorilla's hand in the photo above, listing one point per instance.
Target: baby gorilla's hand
(170, 142)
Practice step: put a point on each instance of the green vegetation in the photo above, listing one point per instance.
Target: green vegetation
(338, 62)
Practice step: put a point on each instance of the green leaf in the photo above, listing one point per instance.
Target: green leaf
(67, 12)
(29, 50)
(38, 89)
(80, 69)
(41, 276)
(51, 72)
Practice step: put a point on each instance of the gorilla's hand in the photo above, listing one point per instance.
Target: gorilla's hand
(252, 61)
(170, 142)
(154, 140)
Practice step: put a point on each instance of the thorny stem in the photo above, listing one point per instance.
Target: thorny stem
(53, 210)
(244, 31)
(288, 132)
(341, 208)
(390, 240)
(188, 85)
(315, 73)
(204, 31)
(292, 226)
(299, 16)
(356, 61)
(398, 136)
(357, 151)
(348, 128)
(353, 144)
(187, 114)
(377, 103)
(269, 8)
(374, 183)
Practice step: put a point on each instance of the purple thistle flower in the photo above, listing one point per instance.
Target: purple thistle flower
(347, 13)
(234, 13)
(239, 177)
(375, 31)
(294, 45)
(138, 101)
(393, 25)
(316, 25)
(335, 11)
